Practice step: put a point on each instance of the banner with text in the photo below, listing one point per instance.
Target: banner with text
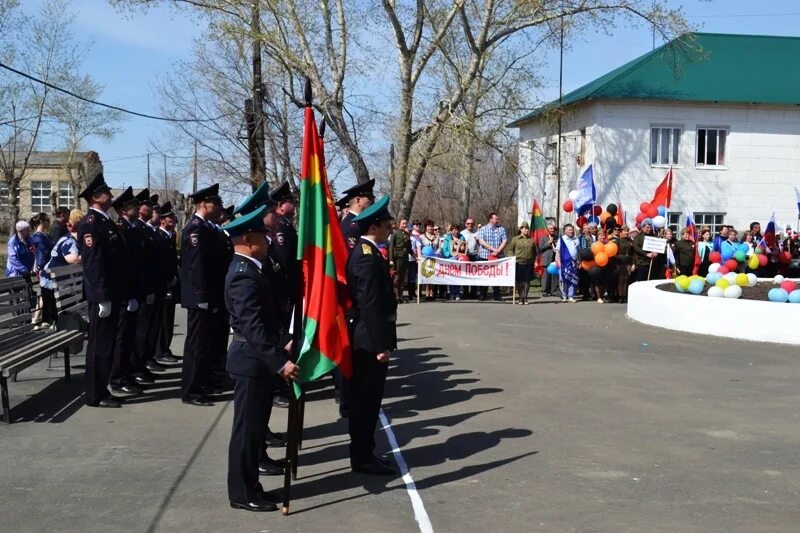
(438, 271)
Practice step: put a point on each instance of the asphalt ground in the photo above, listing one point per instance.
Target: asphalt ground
(550, 417)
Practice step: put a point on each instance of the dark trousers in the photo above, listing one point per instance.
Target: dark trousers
(251, 400)
(164, 339)
(49, 312)
(343, 388)
(483, 291)
(369, 377)
(123, 367)
(198, 351)
(550, 284)
(100, 352)
(400, 275)
(147, 323)
(220, 353)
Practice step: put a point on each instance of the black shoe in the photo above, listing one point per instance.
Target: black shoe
(200, 401)
(125, 390)
(257, 506)
(212, 391)
(344, 411)
(152, 366)
(166, 360)
(143, 379)
(386, 461)
(109, 402)
(280, 401)
(270, 467)
(276, 440)
(374, 468)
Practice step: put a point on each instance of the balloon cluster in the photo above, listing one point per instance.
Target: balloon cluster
(656, 213)
(727, 285)
(594, 259)
(552, 268)
(598, 215)
(786, 291)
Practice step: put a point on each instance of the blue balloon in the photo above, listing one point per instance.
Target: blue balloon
(713, 277)
(794, 297)
(778, 295)
(552, 268)
(662, 211)
(743, 247)
(696, 286)
(727, 252)
(428, 251)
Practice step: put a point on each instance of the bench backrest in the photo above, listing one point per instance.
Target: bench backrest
(69, 287)
(15, 308)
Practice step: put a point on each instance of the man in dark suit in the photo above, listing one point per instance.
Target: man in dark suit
(373, 335)
(357, 198)
(257, 353)
(201, 294)
(59, 227)
(165, 240)
(100, 246)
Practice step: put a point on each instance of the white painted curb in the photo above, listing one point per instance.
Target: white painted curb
(750, 320)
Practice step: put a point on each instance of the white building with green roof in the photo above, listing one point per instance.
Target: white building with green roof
(722, 110)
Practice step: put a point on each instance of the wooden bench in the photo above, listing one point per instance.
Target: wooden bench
(20, 345)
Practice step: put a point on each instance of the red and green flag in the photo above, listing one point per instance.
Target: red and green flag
(321, 250)
(538, 223)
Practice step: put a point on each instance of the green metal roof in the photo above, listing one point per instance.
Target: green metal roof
(701, 67)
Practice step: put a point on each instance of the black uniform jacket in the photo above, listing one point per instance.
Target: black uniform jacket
(202, 276)
(168, 256)
(153, 268)
(257, 349)
(374, 311)
(350, 231)
(101, 247)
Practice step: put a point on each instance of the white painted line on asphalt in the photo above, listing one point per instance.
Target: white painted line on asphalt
(420, 515)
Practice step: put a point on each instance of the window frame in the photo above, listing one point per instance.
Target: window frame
(72, 203)
(700, 221)
(724, 144)
(47, 198)
(676, 226)
(673, 155)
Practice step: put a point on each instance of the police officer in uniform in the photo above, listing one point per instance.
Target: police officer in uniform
(358, 198)
(256, 354)
(373, 335)
(201, 295)
(100, 246)
(168, 254)
(219, 378)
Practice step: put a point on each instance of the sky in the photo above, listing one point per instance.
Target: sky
(129, 52)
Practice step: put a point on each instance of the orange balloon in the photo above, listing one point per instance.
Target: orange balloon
(597, 247)
(601, 259)
(611, 249)
(586, 265)
(604, 216)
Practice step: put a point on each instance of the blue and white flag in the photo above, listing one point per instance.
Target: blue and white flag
(587, 195)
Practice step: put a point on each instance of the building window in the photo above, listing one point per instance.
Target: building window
(673, 222)
(5, 197)
(582, 153)
(664, 145)
(551, 161)
(40, 196)
(66, 196)
(711, 147)
(712, 220)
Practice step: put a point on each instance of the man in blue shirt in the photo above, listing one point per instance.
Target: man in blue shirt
(492, 241)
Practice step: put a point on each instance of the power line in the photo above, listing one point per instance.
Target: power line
(108, 106)
(744, 15)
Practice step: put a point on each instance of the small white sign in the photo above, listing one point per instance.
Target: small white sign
(654, 244)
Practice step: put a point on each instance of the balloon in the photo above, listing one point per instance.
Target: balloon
(595, 272)
(659, 221)
(662, 211)
(716, 292)
(784, 258)
(586, 255)
(741, 280)
(605, 215)
(722, 270)
(743, 247)
(587, 265)
(610, 224)
(552, 268)
(734, 291)
(678, 287)
(759, 250)
(731, 277)
(727, 253)
(740, 256)
(752, 263)
(777, 295)
(722, 283)
(573, 195)
(794, 297)
(652, 211)
(581, 221)
(752, 280)
(596, 210)
(715, 257)
(644, 207)
(696, 286)
(640, 218)
(428, 251)
(713, 267)
(601, 259)
(763, 260)
(778, 279)
(611, 249)
(612, 209)
(593, 220)
(568, 206)
(788, 286)
(597, 247)
(465, 258)
(713, 277)
(731, 265)
(682, 281)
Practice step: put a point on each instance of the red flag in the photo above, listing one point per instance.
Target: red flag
(620, 218)
(663, 195)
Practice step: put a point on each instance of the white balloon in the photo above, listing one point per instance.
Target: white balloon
(716, 292)
(778, 279)
(734, 291)
(573, 195)
(713, 267)
(659, 222)
(752, 280)
(731, 277)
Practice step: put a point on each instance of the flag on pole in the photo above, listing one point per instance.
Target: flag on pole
(769, 234)
(797, 196)
(690, 225)
(538, 223)
(620, 217)
(587, 195)
(321, 251)
(663, 195)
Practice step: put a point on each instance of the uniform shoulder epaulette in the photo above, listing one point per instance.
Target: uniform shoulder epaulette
(366, 249)
(89, 219)
(242, 266)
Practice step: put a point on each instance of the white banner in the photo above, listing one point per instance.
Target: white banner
(438, 271)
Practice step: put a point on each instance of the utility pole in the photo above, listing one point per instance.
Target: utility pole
(165, 170)
(558, 142)
(148, 170)
(254, 108)
(194, 173)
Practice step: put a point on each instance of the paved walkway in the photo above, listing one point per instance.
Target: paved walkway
(548, 417)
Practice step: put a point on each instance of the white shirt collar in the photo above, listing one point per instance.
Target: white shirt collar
(198, 215)
(165, 231)
(104, 213)
(370, 240)
(253, 259)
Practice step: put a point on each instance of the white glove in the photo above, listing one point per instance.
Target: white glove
(133, 305)
(203, 305)
(150, 299)
(105, 309)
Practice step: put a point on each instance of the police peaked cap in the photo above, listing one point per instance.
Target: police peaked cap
(209, 194)
(229, 211)
(98, 184)
(284, 192)
(143, 197)
(166, 210)
(153, 201)
(251, 222)
(125, 199)
(342, 202)
(360, 189)
(377, 212)
(259, 197)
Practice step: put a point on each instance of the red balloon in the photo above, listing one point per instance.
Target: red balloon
(651, 212)
(598, 210)
(645, 207)
(784, 258)
(640, 217)
(568, 206)
(715, 257)
(731, 265)
(788, 286)
(723, 270)
(763, 260)
(581, 221)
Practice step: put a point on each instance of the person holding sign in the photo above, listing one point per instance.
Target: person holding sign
(645, 257)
